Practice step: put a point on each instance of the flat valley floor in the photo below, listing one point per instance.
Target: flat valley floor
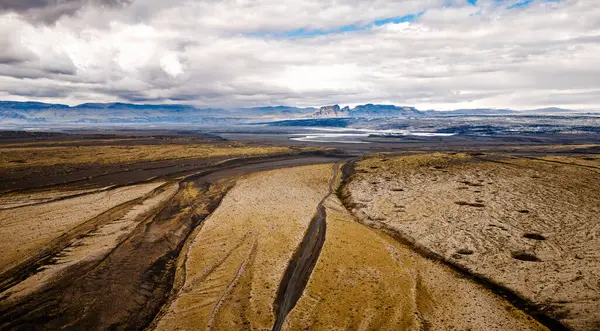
(193, 233)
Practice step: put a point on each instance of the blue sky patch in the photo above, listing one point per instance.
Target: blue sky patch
(525, 3)
(397, 20)
(520, 4)
(307, 33)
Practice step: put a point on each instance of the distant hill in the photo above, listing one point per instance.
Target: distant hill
(371, 110)
(366, 111)
(471, 112)
(551, 110)
(496, 112)
(38, 112)
(275, 111)
(17, 105)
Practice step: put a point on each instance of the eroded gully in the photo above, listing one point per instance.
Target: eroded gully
(303, 262)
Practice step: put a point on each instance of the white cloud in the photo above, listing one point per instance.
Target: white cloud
(171, 65)
(234, 53)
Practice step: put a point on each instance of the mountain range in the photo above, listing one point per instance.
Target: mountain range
(38, 112)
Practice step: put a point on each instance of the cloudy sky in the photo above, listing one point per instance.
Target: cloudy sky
(427, 53)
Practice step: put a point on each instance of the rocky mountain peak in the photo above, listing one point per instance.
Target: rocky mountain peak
(331, 111)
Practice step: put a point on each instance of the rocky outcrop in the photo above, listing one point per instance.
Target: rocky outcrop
(368, 110)
(332, 111)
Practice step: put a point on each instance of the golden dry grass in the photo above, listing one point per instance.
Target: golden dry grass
(588, 160)
(33, 157)
(78, 141)
(547, 148)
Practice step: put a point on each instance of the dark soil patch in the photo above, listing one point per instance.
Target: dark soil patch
(465, 251)
(468, 183)
(525, 256)
(464, 203)
(535, 236)
(99, 175)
